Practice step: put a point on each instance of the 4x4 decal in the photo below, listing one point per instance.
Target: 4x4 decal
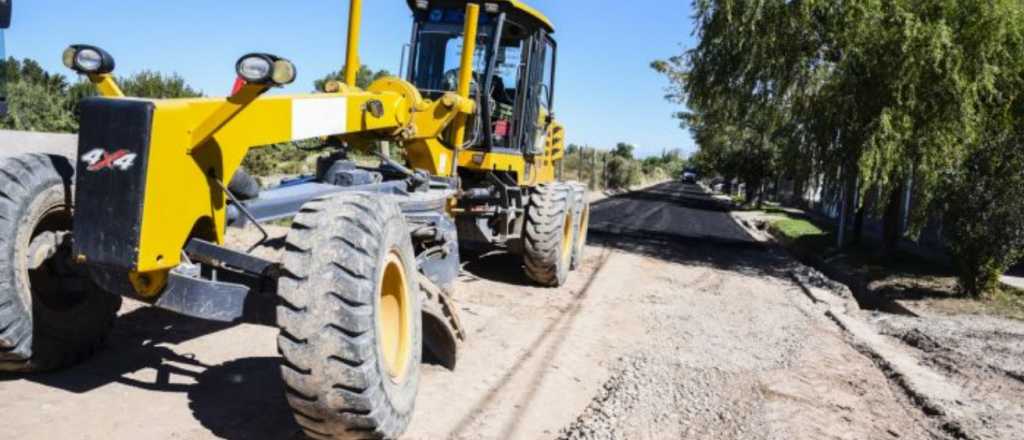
(99, 159)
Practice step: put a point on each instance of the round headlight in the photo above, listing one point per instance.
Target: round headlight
(69, 57)
(255, 68)
(284, 72)
(88, 59)
(262, 68)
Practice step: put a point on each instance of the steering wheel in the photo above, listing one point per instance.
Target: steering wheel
(451, 81)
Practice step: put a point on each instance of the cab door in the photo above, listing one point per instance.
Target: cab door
(535, 103)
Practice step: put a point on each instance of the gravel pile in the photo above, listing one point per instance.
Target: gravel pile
(619, 396)
(651, 399)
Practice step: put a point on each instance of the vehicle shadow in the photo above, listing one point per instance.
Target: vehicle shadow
(244, 399)
(496, 265)
(139, 341)
(239, 399)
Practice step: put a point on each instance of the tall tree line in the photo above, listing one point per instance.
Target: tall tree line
(866, 96)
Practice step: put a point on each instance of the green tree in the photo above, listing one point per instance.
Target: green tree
(364, 77)
(984, 218)
(868, 91)
(873, 92)
(149, 84)
(624, 150)
(623, 172)
(36, 107)
(144, 84)
(30, 71)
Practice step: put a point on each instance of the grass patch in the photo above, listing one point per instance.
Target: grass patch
(1008, 302)
(802, 235)
(899, 276)
(795, 229)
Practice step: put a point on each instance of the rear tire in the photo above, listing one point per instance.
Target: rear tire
(581, 224)
(349, 314)
(548, 234)
(52, 315)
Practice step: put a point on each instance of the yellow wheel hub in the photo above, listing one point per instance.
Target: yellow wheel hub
(393, 317)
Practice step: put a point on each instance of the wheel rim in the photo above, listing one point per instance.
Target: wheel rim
(567, 230)
(55, 283)
(393, 320)
(584, 225)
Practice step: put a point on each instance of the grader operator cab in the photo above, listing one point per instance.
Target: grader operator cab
(513, 65)
(366, 282)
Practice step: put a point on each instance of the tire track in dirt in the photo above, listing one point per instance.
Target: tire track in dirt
(555, 331)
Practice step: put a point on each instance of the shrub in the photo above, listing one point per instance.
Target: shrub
(985, 214)
(35, 107)
(287, 158)
(623, 173)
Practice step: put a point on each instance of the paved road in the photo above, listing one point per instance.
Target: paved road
(670, 210)
(677, 326)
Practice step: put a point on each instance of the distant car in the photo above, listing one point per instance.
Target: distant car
(689, 177)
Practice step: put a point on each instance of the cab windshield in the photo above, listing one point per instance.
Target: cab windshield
(437, 55)
(434, 69)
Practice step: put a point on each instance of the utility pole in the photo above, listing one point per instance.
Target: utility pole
(579, 162)
(604, 172)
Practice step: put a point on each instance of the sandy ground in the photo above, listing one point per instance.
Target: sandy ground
(983, 356)
(677, 326)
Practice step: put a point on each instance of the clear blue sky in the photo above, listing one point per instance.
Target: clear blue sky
(605, 90)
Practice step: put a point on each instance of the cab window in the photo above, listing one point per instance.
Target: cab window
(547, 82)
(438, 53)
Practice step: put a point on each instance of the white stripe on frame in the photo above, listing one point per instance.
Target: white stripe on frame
(319, 117)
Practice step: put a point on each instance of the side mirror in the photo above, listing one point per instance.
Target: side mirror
(5, 13)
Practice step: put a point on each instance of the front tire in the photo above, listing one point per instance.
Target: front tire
(351, 333)
(548, 234)
(51, 314)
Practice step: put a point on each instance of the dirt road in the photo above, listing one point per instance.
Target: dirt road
(678, 326)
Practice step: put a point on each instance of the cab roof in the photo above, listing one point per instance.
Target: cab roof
(518, 10)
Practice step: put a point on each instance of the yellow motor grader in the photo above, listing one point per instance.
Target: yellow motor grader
(365, 285)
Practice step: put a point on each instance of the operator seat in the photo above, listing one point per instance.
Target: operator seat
(499, 93)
